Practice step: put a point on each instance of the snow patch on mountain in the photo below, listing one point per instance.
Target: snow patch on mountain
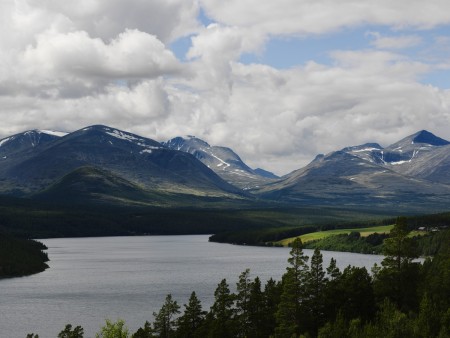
(52, 132)
(5, 140)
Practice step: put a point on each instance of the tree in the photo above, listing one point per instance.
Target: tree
(428, 321)
(243, 303)
(256, 311)
(354, 293)
(77, 332)
(399, 249)
(145, 332)
(113, 330)
(222, 312)
(291, 307)
(164, 320)
(271, 300)
(332, 270)
(315, 287)
(399, 276)
(192, 318)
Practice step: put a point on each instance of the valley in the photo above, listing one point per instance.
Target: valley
(102, 181)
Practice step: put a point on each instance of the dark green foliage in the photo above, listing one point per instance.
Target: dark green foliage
(263, 237)
(77, 332)
(20, 257)
(354, 293)
(352, 242)
(222, 323)
(164, 325)
(272, 297)
(192, 319)
(243, 303)
(315, 293)
(398, 278)
(257, 312)
(144, 332)
(291, 309)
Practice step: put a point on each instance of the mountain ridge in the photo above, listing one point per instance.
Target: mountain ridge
(135, 170)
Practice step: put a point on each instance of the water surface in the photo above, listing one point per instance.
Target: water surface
(91, 279)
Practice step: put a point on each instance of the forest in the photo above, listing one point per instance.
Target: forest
(400, 298)
(21, 257)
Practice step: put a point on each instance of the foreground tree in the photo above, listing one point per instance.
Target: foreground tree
(192, 319)
(243, 287)
(144, 332)
(221, 316)
(315, 291)
(291, 310)
(77, 332)
(113, 330)
(164, 324)
(398, 278)
(271, 300)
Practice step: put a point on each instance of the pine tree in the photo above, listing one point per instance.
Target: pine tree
(332, 270)
(192, 319)
(399, 249)
(164, 320)
(315, 286)
(271, 299)
(145, 332)
(243, 288)
(291, 310)
(222, 312)
(256, 311)
(398, 278)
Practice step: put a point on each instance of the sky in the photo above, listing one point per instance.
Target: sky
(277, 81)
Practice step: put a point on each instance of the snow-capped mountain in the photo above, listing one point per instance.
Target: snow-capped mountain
(421, 155)
(143, 162)
(223, 161)
(26, 140)
(407, 174)
(108, 164)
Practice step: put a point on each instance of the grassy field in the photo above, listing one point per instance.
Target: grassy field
(322, 234)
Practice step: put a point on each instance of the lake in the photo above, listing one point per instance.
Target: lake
(91, 279)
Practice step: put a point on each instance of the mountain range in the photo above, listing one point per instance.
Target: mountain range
(101, 164)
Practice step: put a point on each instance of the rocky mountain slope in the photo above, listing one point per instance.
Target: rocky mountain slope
(142, 162)
(223, 161)
(410, 173)
(100, 163)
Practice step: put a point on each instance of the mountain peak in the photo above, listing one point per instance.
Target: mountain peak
(425, 136)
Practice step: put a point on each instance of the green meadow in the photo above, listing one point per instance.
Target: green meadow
(323, 234)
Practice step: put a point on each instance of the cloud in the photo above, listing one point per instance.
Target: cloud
(68, 65)
(286, 17)
(105, 19)
(394, 42)
(133, 54)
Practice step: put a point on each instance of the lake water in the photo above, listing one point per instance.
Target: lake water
(91, 279)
